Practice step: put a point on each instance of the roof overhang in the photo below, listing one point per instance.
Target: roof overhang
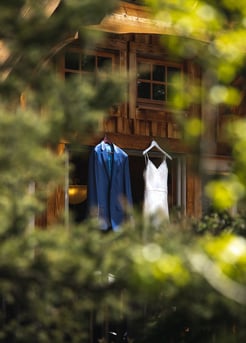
(127, 18)
(132, 18)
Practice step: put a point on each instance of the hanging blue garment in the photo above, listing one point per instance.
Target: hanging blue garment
(109, 185)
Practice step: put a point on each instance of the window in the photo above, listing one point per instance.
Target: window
(157, 81)
(77, 62)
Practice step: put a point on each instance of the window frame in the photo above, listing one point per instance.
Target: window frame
(81, 53)
(142, 102)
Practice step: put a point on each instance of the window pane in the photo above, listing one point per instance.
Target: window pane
(104, 62)
(173, 74)
(143, 90)
(88, 63)
(158, 73)
(144, 71)
(72, 60)
(159, 92)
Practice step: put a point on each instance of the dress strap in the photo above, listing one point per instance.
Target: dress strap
(146, 157)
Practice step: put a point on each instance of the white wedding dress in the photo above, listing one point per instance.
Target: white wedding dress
(156, 190)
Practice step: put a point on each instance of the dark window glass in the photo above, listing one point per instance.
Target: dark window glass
(144, 90)
(72, 60)
(157, 82)
(104, 62)
(88, 63)
(144, 71)
(158, 73)
(159, 92)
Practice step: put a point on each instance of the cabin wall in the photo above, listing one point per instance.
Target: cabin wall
(134, 124)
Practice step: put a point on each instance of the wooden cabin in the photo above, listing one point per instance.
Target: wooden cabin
(134, 41)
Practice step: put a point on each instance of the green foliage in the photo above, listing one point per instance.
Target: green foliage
(24, 159)
(62, 278)
(45, 275)
(175, 282)
(168, 286)
(209, 32)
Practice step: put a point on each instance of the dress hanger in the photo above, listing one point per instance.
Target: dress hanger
(154, 144)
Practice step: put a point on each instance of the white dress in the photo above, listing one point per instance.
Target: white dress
(156, 192)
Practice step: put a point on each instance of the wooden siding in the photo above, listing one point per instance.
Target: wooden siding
(133, 125)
